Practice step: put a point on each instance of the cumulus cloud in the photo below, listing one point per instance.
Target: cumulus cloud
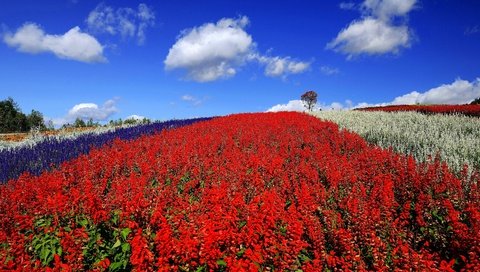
(282, 66)
(135, 117)
(73, 45)
(192, 99)
(214, 51)
(347, 5)
(92, 110)
(371, 36)
(86, 111)
(126, 22)
(388, 9)
(458, 92)
(292, 105)
(327, 70)
(211, 51)
(378, 31)
(297, 105)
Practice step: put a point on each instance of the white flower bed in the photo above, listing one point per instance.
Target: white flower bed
(33, 139)
(455, 138)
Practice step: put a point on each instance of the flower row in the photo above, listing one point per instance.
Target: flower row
(52, 151)
(468, 110)
(455, 139)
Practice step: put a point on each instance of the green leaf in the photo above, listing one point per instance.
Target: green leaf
(125, 232)
(242, 224)
(221, 263)
(241, 252)
(117, 244)
(83, 222)
(201, 268)
(125, 247)
(115, 266)
(44, 255)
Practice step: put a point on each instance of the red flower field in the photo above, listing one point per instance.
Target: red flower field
(247, 192)
(468, 110)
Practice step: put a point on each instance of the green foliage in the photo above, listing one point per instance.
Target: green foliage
(35, 120)
(79, 123)
(107, 240)
(45, 243)
(476, 101)
(91, 123)
(12, 119)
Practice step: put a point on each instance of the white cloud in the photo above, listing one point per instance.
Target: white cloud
(458, 92)
(211, 51)
(278, 66)
(371, 36)
(214, 51)
(297, 105)
(74, 44)
(126, 22)
(135, 117)
(192, 99)
(472, 30)
(387, 9)
(327, 70)
(347, 5)
(292, 105)
(85, 111)
(376, 32)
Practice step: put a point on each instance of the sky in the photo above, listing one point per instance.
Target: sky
(168, 59)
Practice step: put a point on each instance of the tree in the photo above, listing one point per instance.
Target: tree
(476, 101)
(35, 120)
(309, 99)
(11, 117)
(91, 123)
(79, 123)
(50, 125)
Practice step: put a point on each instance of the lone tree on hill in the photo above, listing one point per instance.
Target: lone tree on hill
(309, 99)
(476, 101)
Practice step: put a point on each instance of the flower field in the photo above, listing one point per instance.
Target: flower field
(246, 192)
(39, 155)
(468, 110)
(455, 138)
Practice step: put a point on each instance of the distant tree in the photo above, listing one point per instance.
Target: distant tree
(35, 120)
(131, 121)
(66, 125)
(309, 100)
(116, 123)
(50, 125)
(91, 123)
(476, 101)
(11, 117)
(79, 123)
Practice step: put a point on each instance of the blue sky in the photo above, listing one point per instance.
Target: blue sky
(179, 59)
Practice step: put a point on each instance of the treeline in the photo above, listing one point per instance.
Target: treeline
(12, 119)
(79, 123)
